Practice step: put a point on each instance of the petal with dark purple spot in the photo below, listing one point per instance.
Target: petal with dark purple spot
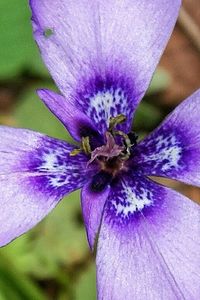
(173, 149)
(148, 246)
(36, 171)
(102, 54)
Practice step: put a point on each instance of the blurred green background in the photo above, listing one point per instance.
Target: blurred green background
(52, 261)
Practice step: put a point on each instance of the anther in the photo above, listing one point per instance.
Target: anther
(75, 152)
(85, 147)
(114, 121)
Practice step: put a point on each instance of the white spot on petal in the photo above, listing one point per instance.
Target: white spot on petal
(106, 104)
(130, 202)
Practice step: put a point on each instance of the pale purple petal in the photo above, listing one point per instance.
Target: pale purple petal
(102, 54)
(36, 172)
(148, 246)
(173, 149)
(92, 203)
(76, 122)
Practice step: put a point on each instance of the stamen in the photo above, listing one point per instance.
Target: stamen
(114, 121)
(85, 147)
(75, 152)
(124, 135)
(129, 140)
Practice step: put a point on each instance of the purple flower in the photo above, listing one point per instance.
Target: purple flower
(102, 54)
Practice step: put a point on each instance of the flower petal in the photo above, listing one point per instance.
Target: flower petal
(103, 53)
(76, 122)
(36, 172)
(148, 245)
(173, 149)
(92, 202)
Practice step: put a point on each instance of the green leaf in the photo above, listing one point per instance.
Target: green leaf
(61, 238)
(86, 287)
(2, 296)
(147, 117)
(32, 113)
(20, 253)
(14, 285)
(18, 50)
(160, 82)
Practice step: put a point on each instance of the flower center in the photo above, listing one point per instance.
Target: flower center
(112, 156)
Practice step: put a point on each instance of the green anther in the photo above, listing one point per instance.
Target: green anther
(126, 141)
(75, 152)
(86, 145)
(116, 120)
(121, 133)
(125, 136)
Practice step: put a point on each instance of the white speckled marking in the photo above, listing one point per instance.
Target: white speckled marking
(49, 162)
(104, 101)
(59, 170)
(168, 151)
(106, 104)
(130, 202)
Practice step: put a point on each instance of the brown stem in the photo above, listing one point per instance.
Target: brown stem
(190, 28)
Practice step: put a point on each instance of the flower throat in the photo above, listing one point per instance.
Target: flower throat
(112, 156)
